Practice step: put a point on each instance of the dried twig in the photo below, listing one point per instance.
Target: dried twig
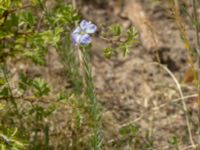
(197, 29)
(159, 107)
(182, 100)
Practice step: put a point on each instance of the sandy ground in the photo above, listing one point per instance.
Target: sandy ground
(132, 89)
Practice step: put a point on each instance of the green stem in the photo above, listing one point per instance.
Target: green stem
(91, 95)
(12, 100)
(197, 29)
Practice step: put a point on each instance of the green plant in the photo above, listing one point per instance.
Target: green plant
(28, 30)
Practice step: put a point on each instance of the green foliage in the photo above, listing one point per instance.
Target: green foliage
(129, 130)
(28, 29)
(4, 6)
(71, 63)
(116, 29)
(24, 82)
(41, 88)
(174, 141)
(40, 112)
(133, 137)
(9, 141)
(65, 15)
(21, 32)
(119, 39)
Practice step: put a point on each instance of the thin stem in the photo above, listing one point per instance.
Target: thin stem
(186, 42)
(197, 29)
(8, 12)
(80, 61)
(182, 99)
(183, 102)
(90, 93)
(74, 4)
(20, 8)
(11, 97)
(157, 108)
(189, 48)
(9, 88)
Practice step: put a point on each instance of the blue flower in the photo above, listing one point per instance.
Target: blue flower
(80, 35)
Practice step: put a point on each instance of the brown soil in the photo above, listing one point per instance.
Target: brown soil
(132, 89)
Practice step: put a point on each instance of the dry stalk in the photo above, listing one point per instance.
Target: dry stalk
(154, 109)
(197, 29)
(187, 45)
(159, 107)
(182, 100)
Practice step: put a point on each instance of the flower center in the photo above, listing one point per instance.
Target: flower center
(82, 32)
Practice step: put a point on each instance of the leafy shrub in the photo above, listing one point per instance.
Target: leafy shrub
(29, 104)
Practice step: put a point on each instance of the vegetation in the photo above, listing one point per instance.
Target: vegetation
(42, 109)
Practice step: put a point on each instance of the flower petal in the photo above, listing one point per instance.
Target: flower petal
(76, 38)
(84, 24)
(88, 27)
(77, 30)
(91, 28)
(85, 39)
